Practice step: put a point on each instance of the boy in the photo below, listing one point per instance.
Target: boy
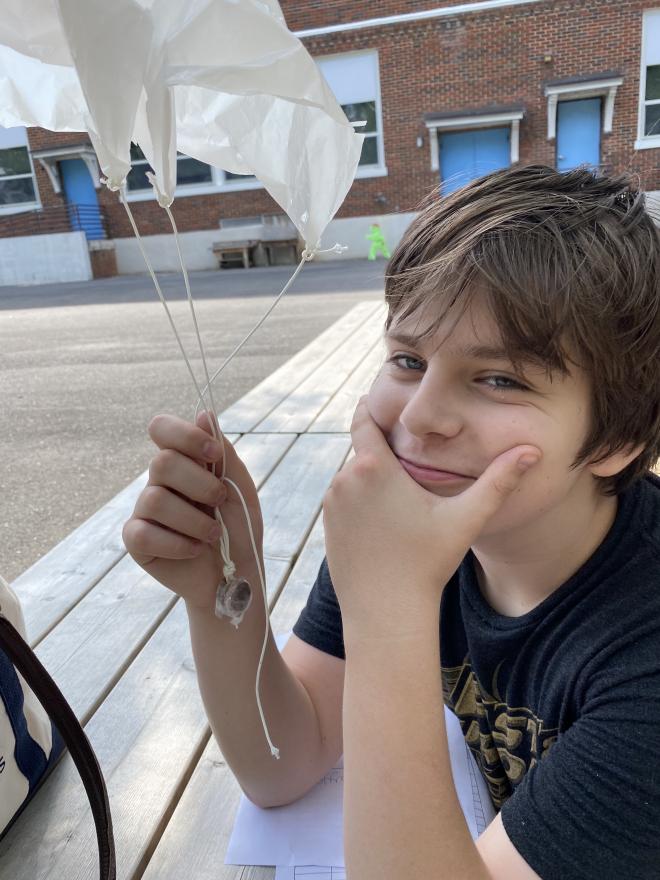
(524, 321)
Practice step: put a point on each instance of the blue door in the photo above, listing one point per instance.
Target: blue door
(465, 155)
(578, 133)
(81, 197)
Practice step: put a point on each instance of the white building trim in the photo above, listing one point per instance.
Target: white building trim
(459, 9)
(645, 141)
(487, 120)
(573, 91)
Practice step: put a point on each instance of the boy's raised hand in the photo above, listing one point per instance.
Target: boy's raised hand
(173, 533)
(389, 542)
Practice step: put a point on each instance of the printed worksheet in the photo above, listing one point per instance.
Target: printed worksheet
(304, 837)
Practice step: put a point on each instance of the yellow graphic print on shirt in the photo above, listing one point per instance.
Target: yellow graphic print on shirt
(506, 741)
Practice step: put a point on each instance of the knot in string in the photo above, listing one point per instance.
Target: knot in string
(112, 185)
(309, 253)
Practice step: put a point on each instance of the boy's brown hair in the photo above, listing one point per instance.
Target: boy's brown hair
(567, 262)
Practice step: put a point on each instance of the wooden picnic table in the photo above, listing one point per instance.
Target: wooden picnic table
(117, 642)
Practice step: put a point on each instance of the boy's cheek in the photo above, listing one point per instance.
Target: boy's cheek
(383, 404)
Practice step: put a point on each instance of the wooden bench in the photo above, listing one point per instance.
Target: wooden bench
(117, 642)
(224, 249)
(271, 245)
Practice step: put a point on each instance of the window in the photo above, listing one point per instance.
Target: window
(649, 85)
(17, 183)
(354, 81)
(188, 171)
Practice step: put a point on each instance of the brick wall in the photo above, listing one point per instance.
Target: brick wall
(443, 64)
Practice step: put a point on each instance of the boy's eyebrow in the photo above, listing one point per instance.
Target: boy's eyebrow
(475, 352)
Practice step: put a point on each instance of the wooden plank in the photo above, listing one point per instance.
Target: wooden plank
(292, 497)
(196, 838)
(57, 581)
(88, 651)
(300, 581)
(302, 405)
(254, 406)
(338, 414)
(262, 453)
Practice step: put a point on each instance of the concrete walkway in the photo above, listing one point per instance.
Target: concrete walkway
(83, 367)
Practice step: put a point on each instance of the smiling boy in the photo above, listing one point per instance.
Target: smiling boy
(523, 318)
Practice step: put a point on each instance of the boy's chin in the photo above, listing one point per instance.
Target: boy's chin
(444, 490)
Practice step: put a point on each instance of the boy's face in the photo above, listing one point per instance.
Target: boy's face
(456, 410)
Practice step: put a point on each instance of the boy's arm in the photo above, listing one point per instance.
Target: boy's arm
(399, 793)
(226, 661)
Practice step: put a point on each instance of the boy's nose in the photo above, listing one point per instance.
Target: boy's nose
(431, 412)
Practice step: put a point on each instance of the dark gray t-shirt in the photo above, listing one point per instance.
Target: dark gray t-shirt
(561, 706)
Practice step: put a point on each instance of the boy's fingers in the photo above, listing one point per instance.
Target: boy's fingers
(162, 507)
(146, 542)
(502, 477)
(171, 432)
(191, 479)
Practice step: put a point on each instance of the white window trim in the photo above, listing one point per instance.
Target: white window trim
(205, 189)
(488, 120)
(218, 185)
(22, 207)
(594, 88)
(644, 142)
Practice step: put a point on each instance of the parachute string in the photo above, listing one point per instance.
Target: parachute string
(229, 569)
(122, 197)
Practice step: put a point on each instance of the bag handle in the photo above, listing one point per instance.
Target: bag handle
(75, 738)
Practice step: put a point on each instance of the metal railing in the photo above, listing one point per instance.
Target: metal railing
(91, 219)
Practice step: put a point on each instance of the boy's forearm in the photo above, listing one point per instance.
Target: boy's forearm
(226, 661)
(402, 816)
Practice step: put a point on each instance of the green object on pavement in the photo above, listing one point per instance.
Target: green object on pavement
(378, 243)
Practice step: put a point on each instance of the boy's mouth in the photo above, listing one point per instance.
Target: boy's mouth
(420, 471)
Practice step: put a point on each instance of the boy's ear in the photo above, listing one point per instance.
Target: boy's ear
(616, 462)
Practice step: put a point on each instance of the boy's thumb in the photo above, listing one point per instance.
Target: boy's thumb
(502, 477)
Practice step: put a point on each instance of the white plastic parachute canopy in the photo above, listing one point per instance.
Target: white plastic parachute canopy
(223, 81)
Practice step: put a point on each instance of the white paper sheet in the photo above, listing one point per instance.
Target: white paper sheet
(310, 872)
(307, 835)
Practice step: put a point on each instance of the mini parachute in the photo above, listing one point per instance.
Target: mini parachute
(222, 81)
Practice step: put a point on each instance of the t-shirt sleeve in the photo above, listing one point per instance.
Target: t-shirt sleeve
(590, 809)
(320, 622)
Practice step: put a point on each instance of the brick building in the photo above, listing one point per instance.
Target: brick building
(448, 91)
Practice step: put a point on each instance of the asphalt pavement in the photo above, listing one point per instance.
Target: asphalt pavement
(84, 366)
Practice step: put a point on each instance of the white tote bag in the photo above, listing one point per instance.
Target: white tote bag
(26, 731)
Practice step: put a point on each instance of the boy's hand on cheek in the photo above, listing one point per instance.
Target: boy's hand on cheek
(391, 545)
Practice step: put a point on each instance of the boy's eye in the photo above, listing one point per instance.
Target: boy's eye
(404, 357)
(507, 383)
